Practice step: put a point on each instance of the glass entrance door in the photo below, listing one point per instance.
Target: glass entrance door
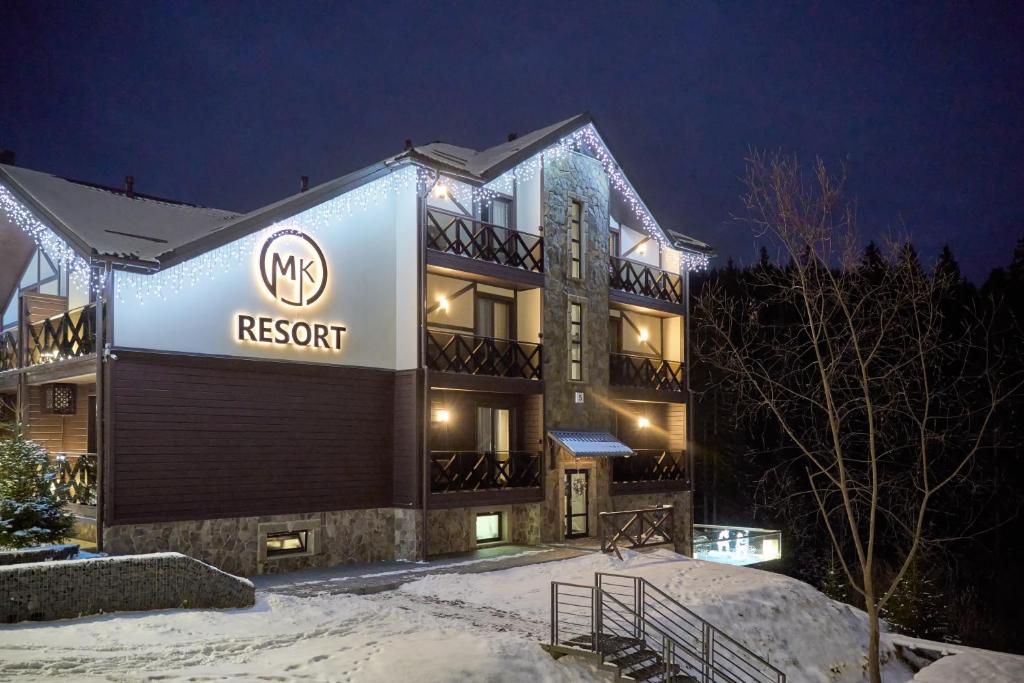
(577, 486)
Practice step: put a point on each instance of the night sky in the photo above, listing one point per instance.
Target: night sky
(227, 104)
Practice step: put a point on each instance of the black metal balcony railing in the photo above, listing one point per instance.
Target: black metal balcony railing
(463, 236)
(637, 278)
(8, 351)
(77, 472)
(473, 355)
(59, 337)
(651, 465)
(645, 373)
(452, 471)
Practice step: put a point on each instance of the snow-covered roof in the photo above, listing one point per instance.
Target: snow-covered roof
(109, 222)
(490, 162)
(581, 443)
(105, 222)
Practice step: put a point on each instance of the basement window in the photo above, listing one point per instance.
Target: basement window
(488, 527)
(287, 543)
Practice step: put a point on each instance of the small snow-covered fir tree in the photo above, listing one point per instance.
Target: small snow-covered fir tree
(31, 510)
(916, 607)
(834, 585)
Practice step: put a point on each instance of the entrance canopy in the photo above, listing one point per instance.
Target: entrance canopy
(590, 443)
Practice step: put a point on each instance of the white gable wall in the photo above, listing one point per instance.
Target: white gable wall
(371, 290)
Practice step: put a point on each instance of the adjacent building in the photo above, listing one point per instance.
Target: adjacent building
(447, 349)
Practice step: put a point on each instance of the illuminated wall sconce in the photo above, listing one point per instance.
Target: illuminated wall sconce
(440, 191)
(643, 336)
(642, 249)
(643, 423)
(442, 304)
(442, 416)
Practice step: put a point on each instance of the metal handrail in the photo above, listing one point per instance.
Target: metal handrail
(724, 657)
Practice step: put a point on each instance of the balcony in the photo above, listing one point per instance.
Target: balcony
(458, 235)
(642, 372)
(470, 354)
(466, 471)
(670, 468)
(60, 337)
(76, 473)
(646, 281)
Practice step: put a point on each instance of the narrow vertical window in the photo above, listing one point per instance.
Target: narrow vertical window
(575, 341)
(575, 238)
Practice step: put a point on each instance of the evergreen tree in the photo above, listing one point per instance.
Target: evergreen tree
(31, 509)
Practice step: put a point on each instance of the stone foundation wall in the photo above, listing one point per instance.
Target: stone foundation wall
(682, 513)
(235, 544)
(453, 530)
(72, 588)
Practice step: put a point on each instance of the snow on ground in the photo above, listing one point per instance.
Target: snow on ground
(454, 627)
(973, 665)
(794, 626)
(386, 637)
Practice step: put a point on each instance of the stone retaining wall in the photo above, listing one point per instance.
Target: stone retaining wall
(72, 588)
(234, 543)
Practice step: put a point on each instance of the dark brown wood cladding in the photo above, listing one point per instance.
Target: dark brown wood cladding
(406, 484)
(206, 437)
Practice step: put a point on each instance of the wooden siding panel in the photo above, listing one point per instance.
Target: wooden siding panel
(60, 433)
(202, 437)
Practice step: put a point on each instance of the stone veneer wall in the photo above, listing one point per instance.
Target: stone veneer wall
(72, 588)
(575, 176)
(232, 544)
(682, 513)
(453, 530)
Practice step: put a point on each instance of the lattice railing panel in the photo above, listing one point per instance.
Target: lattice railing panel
(463, 236)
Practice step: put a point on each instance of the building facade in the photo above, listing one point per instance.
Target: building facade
(393, 364)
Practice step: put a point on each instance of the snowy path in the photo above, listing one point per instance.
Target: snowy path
(450, 627)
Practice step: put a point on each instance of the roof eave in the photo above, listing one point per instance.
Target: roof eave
(272, 213)
(49, 219)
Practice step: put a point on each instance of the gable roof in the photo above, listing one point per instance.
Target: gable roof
(493, 161)
(106, 222)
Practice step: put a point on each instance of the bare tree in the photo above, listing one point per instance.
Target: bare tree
(885, 401)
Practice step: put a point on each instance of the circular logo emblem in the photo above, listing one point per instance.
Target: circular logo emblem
(293, 268)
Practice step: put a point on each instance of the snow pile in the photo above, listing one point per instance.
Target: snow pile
(791, 624)
(973, 665)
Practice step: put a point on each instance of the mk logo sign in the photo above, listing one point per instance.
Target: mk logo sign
(293, 268)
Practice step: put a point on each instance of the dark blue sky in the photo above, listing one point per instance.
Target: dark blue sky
(227, 104)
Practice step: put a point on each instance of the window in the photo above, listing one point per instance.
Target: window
(613, 243)
(493, 317)
(575, 238)
(488, 527)
(497, 212)
(287, 543)
(576, 341)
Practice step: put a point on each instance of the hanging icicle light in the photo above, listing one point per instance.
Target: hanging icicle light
(207, 266)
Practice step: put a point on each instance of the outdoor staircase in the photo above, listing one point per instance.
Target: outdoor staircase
(644, 634)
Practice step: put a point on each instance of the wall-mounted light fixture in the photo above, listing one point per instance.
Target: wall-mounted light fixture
(442, 304)
(442, 416)
(643, 335)
(440, 191)
(643, 423)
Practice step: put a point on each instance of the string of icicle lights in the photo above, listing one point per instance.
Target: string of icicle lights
(206, 266)
(60, 253)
